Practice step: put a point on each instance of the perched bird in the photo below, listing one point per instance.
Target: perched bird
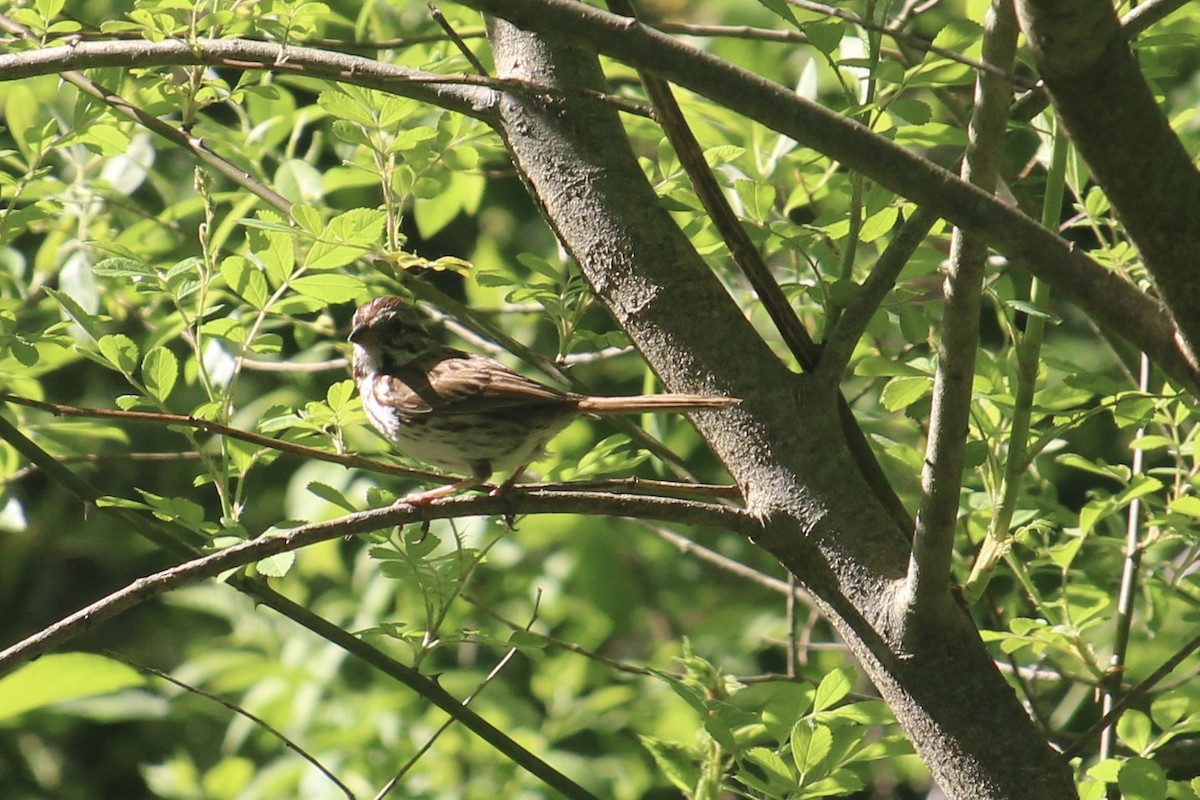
(467, 413)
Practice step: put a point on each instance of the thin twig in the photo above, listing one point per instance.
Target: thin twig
(423, 749)
(445, 25)
(1134, 695)
(731, 31)
(1127, 593)
(870, 296)
(914, 41)
(329, 365)
(257, 720)
(732, 566)
(216, 428)
(561, 644)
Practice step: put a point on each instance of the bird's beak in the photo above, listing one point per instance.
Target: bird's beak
(357, 333)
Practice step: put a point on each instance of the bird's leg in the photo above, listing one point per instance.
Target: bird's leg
(509, 482)
(424, 498)
(479, 474)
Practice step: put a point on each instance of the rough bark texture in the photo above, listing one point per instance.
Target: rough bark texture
(1103, 100)
(783, 445)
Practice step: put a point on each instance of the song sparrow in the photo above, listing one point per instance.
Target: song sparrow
(468, 413)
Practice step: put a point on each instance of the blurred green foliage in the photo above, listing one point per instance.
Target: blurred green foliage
(133, 278)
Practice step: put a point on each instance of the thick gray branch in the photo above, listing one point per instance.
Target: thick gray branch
(1110, 112)
(783, 444)
(1112, 301)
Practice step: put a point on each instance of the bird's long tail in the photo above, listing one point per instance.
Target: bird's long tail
(640, 404)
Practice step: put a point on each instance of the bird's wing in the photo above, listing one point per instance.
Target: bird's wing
(453, 382)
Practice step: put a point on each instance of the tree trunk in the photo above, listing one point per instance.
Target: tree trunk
(783, 445)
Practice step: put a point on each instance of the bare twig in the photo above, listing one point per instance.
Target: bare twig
(1128, 590)
(1132, 696)
(257, 720)
(914, 41)
(424, 748)
(445, 25)
(349, 461)
(872, 293)
(473, 95)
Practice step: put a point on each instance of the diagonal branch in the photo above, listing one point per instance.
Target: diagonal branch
(201, 566)
(1106, 296)
(747, 257)
(870, 296)
(254, 550)
(171, 133)
(1105, 103)
(346, 460)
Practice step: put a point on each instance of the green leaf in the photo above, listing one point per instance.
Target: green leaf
(122, 267)
(331, 255)
(1142, 779)
(175, 509)
(1134, 729)
(878, 224)
(331, 496)
(228, 778)
(902, 392)
(82, 318)
(59, 677)
(276, 566)
(246, 279)
(299, 181)
(825, 35)
(810, 745)
(308, 218)
(776, 768)
(105, 140)
(330, 287)
(1189, 506)
(339, 394)
(276, 252)
(339, 105)
(1029, 308)
(757, 197)
(361, 227)
(839, 784)
(677, 763)
(833, 687)
(119, 351)
(1169, 710)
(160, 370)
